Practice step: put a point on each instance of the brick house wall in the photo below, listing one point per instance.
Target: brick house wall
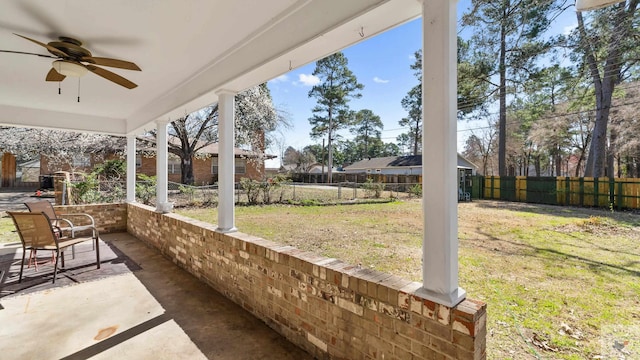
(202, 168)
(331, 309)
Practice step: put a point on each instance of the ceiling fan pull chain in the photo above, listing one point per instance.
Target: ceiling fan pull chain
(78, 89)
(59, 91)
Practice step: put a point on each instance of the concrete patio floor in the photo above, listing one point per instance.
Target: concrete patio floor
(137, 306)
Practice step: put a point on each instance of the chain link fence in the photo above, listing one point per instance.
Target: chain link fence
(295, 193)
(252, 193)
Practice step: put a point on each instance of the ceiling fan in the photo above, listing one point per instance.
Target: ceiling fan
(74, 60)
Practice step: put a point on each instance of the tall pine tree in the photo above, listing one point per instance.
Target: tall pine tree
(337, 86)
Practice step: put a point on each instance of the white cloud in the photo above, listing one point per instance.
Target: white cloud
(308, 80)
(281, 78)
(567, 29)
(380, 81)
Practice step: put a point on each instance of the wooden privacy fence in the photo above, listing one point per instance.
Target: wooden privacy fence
(615, 193)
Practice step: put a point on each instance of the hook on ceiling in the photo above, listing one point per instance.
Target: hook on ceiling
(361, 32)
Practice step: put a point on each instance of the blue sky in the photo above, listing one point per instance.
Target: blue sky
(382, 65)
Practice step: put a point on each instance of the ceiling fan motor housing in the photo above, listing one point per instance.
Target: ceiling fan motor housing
(71, 47)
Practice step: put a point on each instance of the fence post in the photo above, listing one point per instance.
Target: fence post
(596, 192)
(581, 188)
(612, 190)
(492, 187)
(567, 189)
(620, 195)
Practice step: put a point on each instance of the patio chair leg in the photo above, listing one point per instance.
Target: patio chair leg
(97, 247)
(61, 254)
(55, 266)
(22, 265)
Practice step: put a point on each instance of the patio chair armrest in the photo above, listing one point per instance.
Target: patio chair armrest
(80, 228)
(69, 223)
(93, 223)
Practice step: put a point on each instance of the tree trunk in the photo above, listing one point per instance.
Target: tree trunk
(502, 136)
(611, 154)
(605, 84)
(416, 139)
(186, 170)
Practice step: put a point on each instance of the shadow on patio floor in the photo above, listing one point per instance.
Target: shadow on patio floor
(138, 305)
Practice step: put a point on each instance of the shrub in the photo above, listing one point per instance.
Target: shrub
(145, 188)
(373, 189)
(272, 184)
(416, 190)
(252, 189)
(189, 191)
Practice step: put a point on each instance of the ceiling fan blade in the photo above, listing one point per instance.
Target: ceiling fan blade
(48, 47)
(27, 53)
(111, 62)
(111, 76)
(53, 75)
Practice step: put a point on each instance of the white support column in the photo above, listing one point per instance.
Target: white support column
(131, 168)
(439, 154)
(226, 161)
(162, 170)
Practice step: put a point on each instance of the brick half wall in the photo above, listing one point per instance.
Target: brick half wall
(108, 218)
(329, 308)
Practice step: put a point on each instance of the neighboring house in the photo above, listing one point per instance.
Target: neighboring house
(205, 169)
(399, 165)
(412, 165)
(314, 169)
(29, 171)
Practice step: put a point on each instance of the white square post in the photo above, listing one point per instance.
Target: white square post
(162, 170)
(131, 168)
(226, 161)
(439, 154)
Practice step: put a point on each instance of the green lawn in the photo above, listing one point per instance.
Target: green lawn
(7, 230)
(556, 279)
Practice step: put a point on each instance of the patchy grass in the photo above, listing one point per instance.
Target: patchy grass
(554, 278)
(7, 230)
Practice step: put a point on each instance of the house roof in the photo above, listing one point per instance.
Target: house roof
(30, 164)
(188, 52)
(399, 161)
(211, 149)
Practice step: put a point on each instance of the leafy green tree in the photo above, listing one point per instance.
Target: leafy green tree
(404, 143)
(412, 103)
(513, 32)
(367, 128)
(473, 72)
(338, 85)
(317, 151)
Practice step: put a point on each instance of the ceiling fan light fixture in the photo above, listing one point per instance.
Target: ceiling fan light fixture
(68, 68)
(582, 5)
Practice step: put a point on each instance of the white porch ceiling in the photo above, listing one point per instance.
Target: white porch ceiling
(187, 49)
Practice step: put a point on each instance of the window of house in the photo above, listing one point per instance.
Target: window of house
(138, 161)
(214, 165)
(173, 164)
(82, 160)
(240, 166)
